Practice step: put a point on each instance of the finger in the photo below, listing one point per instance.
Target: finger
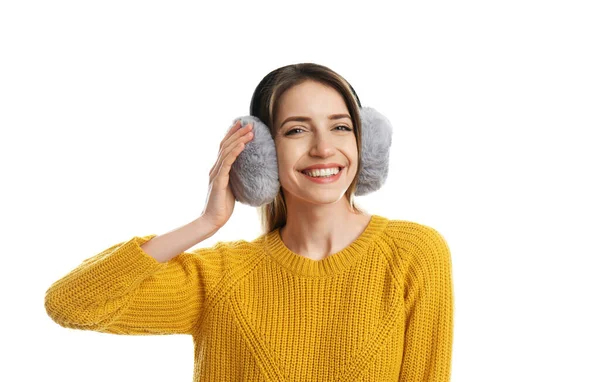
(234, 128)
(242, 136)
(235, 134)
(232, 151)
(231, 130)
(223, 175)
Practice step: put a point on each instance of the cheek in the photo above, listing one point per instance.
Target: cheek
(351, 171)
(288, 155)
(351, 152)
(286, 161)
(352, 155)
(283, 158)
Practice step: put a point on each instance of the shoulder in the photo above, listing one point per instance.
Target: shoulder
(412, 231)
(418, 243)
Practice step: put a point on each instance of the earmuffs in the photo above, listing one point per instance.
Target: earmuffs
(254, 175)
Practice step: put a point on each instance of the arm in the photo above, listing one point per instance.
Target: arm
(429, 311)
(124, 290)
(164, 247)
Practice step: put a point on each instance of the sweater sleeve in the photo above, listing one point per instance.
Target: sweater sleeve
(124, 290)
(429, 310)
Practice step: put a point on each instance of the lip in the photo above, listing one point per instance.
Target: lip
(321, 166)
(323, 180)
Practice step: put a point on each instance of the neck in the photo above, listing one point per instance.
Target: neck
(318, 232)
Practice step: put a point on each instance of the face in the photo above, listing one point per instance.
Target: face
(315, 140)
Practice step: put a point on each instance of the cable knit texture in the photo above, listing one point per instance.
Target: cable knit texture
(379, 310)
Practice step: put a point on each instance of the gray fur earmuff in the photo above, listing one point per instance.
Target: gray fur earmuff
(254, 175)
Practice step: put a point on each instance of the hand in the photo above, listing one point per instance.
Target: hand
(220, 201)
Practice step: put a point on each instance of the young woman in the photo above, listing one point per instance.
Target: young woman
(327, 292)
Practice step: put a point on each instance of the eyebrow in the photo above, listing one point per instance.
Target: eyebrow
(306, 119)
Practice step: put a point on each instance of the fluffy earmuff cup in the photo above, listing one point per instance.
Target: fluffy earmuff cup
(376, 141)
(254, 175)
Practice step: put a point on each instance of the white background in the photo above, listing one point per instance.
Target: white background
(112, 113)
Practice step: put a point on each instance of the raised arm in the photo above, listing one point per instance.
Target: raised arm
(124, 290)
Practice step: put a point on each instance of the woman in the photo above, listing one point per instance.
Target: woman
(327, 292)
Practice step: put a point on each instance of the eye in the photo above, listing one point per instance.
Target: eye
(346, 128)
(290, 132)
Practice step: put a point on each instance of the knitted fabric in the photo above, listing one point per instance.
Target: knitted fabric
(379, 310)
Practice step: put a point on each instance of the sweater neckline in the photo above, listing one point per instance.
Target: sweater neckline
(332, 264)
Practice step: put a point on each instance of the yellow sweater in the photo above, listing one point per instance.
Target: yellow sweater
(379, 310)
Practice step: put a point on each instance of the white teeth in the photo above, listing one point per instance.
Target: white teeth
(322, 172)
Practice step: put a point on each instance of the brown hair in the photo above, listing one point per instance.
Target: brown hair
(264, 104)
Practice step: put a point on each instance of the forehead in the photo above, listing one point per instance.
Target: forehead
(310, 99)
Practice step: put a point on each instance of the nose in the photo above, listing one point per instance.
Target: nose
(322, 146)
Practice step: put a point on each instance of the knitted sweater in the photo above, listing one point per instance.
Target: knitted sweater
(379, 310)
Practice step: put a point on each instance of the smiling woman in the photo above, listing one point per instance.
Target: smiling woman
(318, 127)
(327, 292)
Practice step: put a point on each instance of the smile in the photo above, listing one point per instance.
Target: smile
(323, 179)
